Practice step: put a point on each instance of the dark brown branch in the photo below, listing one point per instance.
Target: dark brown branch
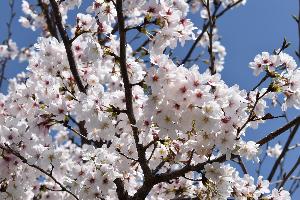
(159, 166)
(3, 66)
(295, 184)
(268, 116)
(299, 32)
(68, 45)
(164, 177)
(191, 179)
(268, 74)
(281, 170)
(121, 192)
(83, 137)
(261, 82)
(148, 177)
(24, 160)
(297, 18)
(123, 67)
(297, 178)
(129, 158)
(212, 22)
(115, 28)
(188, 55)
(82, 133)
(279, 131)
(167, 176)
(84, 140)
(152, 152)
(241, 163)
(141, 26)
(50, 23)
(150, 144)
(286, 177)
(284, 151)
(78, 34)
(252, 115)
(4, 61)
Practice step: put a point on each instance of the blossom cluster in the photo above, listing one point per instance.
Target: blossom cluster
(54, 135)
(9, 50)
(282, 68)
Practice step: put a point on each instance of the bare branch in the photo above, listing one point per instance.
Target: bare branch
(284, 151)
(4, 61)
(279, 131)
(286, 177)
(290, 178)
(297, 18)
(212, 23)
(241, 163)
(295, 184)
(261, 82)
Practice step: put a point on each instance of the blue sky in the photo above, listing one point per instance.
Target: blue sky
(258, 26)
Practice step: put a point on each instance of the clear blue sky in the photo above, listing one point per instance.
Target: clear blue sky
(258, 26)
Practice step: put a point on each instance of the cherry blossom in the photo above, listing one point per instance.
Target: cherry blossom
(96, 117)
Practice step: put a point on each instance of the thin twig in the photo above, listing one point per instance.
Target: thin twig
(4, 61)
(290, 178)
(129, 158)
(261, 82)
(204, 29)
(295, 184)
(298, 23)
(241, 163)
(285, 178)
(284, 151)
(252, 115)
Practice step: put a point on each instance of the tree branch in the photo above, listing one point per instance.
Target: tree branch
(121, 192)
(9, 35)
(298, 23)
(147, 185)
(279, 131)
(212, 22)
(284, 151)
(68, 45)
(188, 55)
(50, 25)
(204, 29)
(286, 177)
(24, 160)
(242, 165)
